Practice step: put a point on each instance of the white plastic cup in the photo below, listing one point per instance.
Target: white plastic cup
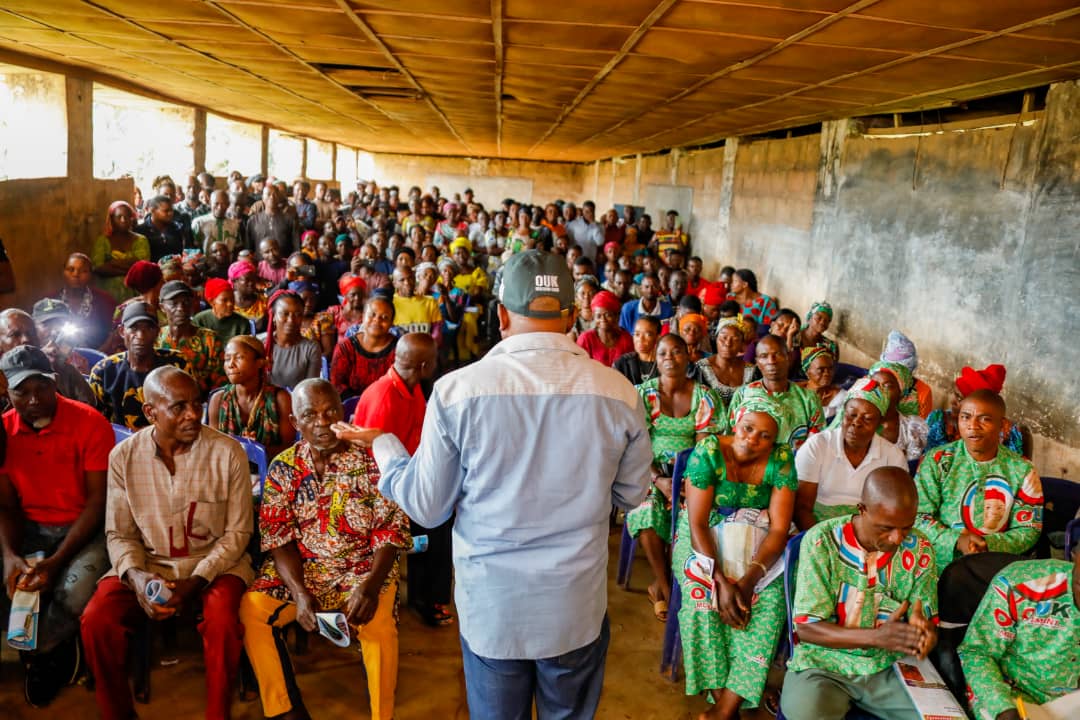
(158, 592)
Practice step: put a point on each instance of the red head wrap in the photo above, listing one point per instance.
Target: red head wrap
(990, 378)
(143, 276)
(348, 282)
(216, 286)
(714, 294)
(606, 300)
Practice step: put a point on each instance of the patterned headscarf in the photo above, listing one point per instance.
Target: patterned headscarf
(809, 354)
(899, 349)
(740, 323)
(300, 286)
(818, 307)
(900, 372)
(871, 391)
(445, 260)
(759, 400)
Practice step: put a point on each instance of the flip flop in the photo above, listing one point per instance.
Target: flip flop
(659, 607)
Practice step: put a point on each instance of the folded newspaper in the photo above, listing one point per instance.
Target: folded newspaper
(929, 693)
(334, 627)
(23, 620)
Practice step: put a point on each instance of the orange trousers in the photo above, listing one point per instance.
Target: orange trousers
(264, 616)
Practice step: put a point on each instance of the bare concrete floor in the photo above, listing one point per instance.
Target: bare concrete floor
(430, 681)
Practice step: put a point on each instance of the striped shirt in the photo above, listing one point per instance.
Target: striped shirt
(530, 447)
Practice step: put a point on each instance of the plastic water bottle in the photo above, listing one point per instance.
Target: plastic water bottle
(419, 544)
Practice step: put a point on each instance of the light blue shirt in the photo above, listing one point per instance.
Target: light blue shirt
(530, 446)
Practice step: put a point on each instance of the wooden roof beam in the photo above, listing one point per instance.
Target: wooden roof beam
(497, 34)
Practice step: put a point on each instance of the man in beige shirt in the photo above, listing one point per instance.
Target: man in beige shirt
(178, 514)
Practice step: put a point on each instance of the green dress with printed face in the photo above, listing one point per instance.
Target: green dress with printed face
(670, 436)
(1000, 500)
(1023, 639)
(716, 655)
(804, 410)
(839, 582)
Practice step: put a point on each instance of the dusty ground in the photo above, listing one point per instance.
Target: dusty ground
(430, 682)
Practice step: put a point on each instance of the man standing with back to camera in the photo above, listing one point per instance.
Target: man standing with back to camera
(530, 446)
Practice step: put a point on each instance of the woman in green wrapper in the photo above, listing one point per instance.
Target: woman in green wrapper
(728, 651)
(678, 412)
(812, 333)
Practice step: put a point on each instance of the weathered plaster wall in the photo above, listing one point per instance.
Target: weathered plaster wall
(967, 241)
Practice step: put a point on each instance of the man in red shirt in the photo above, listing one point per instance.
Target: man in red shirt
(52, 501)
(395, 403)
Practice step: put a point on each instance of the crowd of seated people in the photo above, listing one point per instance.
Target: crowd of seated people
(270, 309)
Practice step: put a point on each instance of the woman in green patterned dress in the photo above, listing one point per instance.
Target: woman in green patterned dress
(727, 650)
(679, 412)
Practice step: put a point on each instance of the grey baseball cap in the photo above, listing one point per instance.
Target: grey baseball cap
(24, 362)
(533, 274)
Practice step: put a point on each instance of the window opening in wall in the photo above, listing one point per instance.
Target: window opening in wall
(141, 137)
(1021, 108)
(285, 155)
(231, 146)
(320, 160)
(346, 169)
(33, 124)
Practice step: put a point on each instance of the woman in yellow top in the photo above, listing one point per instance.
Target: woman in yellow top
(117, 249)
(470, 279)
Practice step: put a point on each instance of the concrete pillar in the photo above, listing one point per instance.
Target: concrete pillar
(198, 141)
(264, 159)
(80, 128)
(596, 181)
(637, 179)
(727, 193)
(303, 158)
(333, 161)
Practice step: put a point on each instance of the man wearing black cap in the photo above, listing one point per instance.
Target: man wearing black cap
(200, 346)
(117, 380)
(18, 328)
(530, 536)
(67, 443)
(58, 334)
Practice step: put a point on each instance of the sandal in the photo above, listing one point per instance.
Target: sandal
(771, 700)
(659, 607)
(441, 616)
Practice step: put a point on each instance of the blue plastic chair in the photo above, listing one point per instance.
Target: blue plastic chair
(846, 374)
(671, 655)
(256, 454)
(253, 330)
(1061, 501)
(92, 356)
(325, 373)
(350, 407)
(1072, 535)
(627, 547)
(121, 433)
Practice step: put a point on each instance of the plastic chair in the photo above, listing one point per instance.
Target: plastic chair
(325, 373)
(253, 330)
(1061, 501)
(256, 454)
(206, 406)
(671, 655)
(1072, 535)
(846, 374)
(121, 432)
(627, 547)
(350, 407)
(92, 356)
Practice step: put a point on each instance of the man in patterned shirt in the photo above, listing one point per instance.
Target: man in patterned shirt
(333, 544)
(1023, 638)
(117, 381)
(865, 596)
(976, 495)
(804, 406)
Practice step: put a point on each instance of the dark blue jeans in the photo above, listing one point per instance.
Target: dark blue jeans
(566, 687)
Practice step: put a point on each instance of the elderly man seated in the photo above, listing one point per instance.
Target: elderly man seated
(976, 495)
(334, 543)
(1023, 638)
(177, 524)
(866, 589)
(117, 381)
(67, 443)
